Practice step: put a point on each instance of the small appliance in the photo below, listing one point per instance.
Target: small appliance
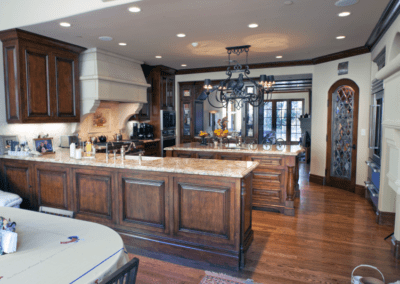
(145, 131)
(66, 140)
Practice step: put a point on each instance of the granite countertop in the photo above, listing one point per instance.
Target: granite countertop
(289, 150)
(236, 169)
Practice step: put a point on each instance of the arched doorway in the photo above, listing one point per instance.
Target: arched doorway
(341, 148)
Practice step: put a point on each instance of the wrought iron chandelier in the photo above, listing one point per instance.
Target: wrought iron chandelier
(237, 92)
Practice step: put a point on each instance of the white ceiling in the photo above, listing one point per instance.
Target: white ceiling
(306, 29)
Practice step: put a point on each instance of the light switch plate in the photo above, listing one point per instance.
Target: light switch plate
(363, 132)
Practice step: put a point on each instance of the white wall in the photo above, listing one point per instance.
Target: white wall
(324, 76)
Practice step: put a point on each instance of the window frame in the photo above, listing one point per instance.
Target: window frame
(289, 116)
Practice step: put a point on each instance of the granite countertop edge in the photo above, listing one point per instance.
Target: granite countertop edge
(146, 165)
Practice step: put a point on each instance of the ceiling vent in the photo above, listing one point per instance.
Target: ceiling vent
(344, 3)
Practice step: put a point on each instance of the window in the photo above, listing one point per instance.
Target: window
(282, 116)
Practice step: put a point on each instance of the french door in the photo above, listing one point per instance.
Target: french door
(282, 116)
(341, 150)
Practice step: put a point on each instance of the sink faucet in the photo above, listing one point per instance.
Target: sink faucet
(123, 151)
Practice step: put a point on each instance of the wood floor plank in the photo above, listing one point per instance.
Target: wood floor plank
(331, 233)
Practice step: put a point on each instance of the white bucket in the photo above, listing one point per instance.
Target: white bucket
(357, 279)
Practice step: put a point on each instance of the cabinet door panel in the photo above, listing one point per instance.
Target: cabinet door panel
(231, 157)
(11, 83)
(52, 186)
(65, 87)
(204, 213)
(37, 83)
(17, 180)
(143, 202)
(93, 192)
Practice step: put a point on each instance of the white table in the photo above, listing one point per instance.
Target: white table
(40, 258)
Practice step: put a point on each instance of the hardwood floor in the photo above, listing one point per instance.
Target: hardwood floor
(331, 233)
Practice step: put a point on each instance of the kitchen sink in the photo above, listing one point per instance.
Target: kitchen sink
(144, 158)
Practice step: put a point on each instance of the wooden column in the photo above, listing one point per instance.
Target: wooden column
(289, 204)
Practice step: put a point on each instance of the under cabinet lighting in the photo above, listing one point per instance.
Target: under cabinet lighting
(158, 56)
(65, 24)
(340, 37)
(122, 43)
(279, 56)
(180, 35)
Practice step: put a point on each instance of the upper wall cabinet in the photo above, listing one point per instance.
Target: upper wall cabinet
(41, 78)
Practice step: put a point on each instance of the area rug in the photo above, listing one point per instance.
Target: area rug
(219, 278)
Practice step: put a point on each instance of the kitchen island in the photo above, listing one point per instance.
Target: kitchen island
(275, 182)
(162, 205)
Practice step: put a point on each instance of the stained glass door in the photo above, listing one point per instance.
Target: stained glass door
(342, 137)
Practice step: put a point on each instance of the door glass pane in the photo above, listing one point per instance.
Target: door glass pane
(267, 118)
(281, 120)
(296, 111)
(250, 121)
(342, 132)
(186, 119)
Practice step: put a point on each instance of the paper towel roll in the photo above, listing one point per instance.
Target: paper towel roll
(8, 241)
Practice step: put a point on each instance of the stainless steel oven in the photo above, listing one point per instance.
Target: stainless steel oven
(375, 142)
(168, 120)
(168, 139)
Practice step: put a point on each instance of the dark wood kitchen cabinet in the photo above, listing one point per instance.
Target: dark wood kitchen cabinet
(17, 178)
(52, 185)
(41, 78)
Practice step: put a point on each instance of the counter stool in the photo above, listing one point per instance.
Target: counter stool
(124, 275)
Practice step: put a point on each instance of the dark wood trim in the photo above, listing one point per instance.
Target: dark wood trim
(395, 247)
(18, 34)
(385, 218)
(387, 18)
(251, 66)
(340, 55)
(313, 61)
(317, 179)
(360, 190)
(335, 181)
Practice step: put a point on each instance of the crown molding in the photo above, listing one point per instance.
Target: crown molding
(314, 61)
(386, 20)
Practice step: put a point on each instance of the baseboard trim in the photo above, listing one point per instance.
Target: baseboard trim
(385, 218)
(360, 190)
(395, 248)
(317, 179)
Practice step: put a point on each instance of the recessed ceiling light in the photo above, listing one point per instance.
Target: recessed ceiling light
(288, 2)
(340, 37)
(180, 35)
(134, 9)
(105, 38)
(65, 24)
(279, 56)
(158, 56)
(122, 43)
(252, 26)
(344, 14)
(344, 3)
(183, 65)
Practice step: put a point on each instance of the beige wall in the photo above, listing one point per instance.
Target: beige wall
(324, 76)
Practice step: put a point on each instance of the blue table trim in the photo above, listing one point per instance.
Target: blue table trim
(96, 266)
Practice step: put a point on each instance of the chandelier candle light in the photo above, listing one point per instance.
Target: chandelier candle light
(236, 91)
